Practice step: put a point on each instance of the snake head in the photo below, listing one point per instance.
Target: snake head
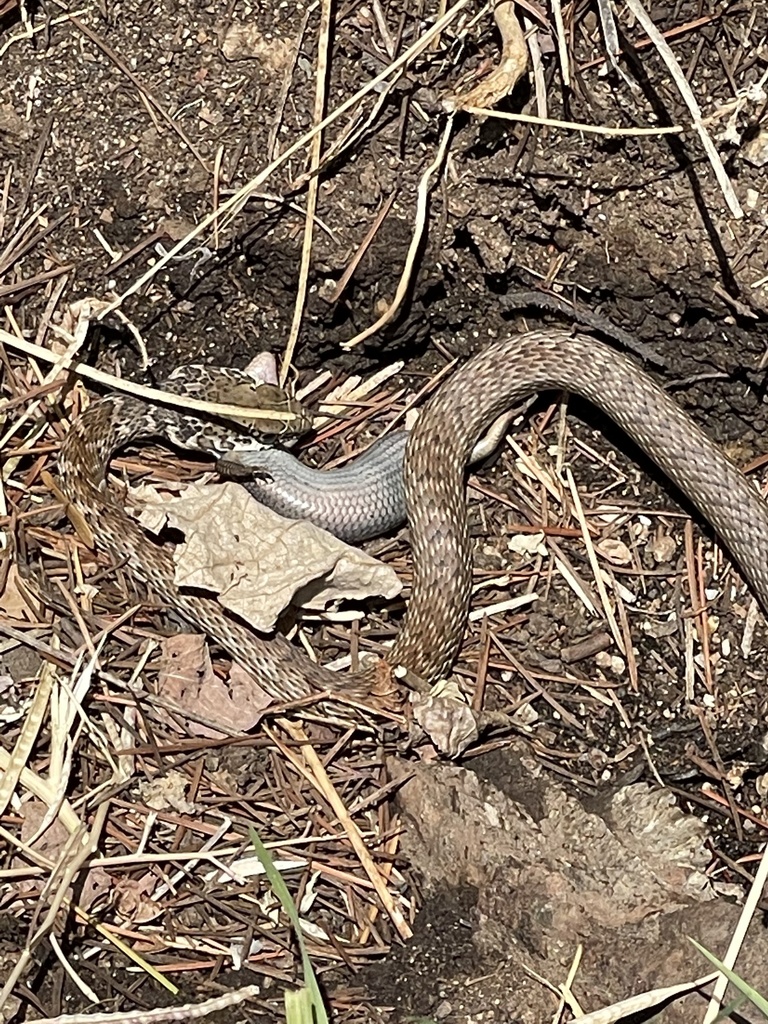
(269, 397)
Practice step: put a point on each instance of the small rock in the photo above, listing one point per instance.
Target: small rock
(492, 243)
(661, 548)
(755, 151)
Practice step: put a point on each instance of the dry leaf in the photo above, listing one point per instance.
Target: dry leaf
(50, 843)
(244, 40)
(168, 792)
(133, 898)
(662, 548)
(95, 884)
(257, 561)
(528, 544)
(147, 503)
(55, 837)
(187, 678)
(614, 550)
(446, 718)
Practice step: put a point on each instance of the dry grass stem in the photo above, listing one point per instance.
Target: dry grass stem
(315, 149)
(691, 102)
(426, 184)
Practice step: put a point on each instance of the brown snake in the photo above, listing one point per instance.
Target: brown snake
(504, 373)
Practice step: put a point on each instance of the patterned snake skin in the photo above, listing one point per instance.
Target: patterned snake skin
(506, 372)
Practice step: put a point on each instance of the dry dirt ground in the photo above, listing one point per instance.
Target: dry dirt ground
(122, 125)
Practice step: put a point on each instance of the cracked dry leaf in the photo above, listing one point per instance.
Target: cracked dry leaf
(662, 548)
(243, 41)
(133, 899)
(614, 550)
(446, 719)
(166, 792)
(148, 503)
(259, 563)
(52, 843)
(528, 544)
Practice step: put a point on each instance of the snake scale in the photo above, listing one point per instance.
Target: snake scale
(502, 374)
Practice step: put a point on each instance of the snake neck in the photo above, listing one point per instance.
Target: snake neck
(119, 420)
(97, 435)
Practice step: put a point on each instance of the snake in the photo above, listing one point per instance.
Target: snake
(362, 499)
(357, 501)
(502, 374)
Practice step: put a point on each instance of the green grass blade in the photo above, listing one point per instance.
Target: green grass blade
(760, 1002)
(305, 1006)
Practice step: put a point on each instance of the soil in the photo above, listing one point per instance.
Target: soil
(111, 121)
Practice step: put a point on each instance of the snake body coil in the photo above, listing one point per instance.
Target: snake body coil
(362, 499)
(503, 374)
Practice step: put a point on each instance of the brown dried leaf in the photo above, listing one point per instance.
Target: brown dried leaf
(614, 550)
(662, 548)
(166, 792)
(50, 843)
(17, 601)
(245, 40)
(54, 838)
(187, 678)
(95, 884)
(133, 899)
(446, 719)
